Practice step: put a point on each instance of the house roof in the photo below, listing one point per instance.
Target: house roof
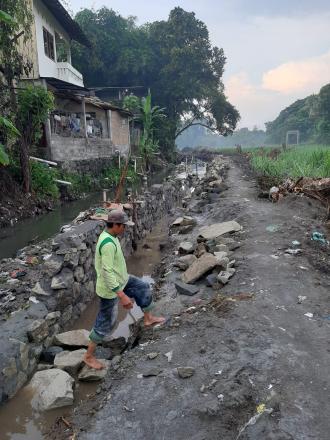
(93, 100)
(72, 27)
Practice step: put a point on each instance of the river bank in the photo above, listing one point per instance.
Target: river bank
(47, 286)
(245, 360)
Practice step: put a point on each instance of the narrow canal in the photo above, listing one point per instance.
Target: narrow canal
(18, 419)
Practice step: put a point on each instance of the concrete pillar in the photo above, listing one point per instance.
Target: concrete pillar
(83, 122)
(109, 124)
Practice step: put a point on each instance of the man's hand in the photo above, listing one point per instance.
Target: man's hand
(126, 302)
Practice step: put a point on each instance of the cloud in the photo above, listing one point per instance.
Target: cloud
(256, 104)
(238, 86)
(305, 76)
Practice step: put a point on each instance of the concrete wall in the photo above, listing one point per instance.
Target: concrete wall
(63, 285)
(66, 149)
(120, 129)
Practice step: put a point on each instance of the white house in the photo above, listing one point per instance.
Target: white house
(81, 127)
(52, 32)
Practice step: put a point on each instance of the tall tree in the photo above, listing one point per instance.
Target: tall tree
(13, 62)
(174, 58)
(187, 75)
(117, 56)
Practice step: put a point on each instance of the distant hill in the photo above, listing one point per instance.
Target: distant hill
(311, 116)
(198, 136)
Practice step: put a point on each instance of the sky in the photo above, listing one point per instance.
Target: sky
(277, 51)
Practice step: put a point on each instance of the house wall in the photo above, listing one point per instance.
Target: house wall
(66, 149)
(29, 50)
(43, 18)
(120, 129)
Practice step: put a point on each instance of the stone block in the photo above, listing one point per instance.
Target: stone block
(53, 317)
(73, 338)
(69, 361)
(38, 330)
(64, 280)
(79, 274)
(53, 264)
(186, 289)
(199, 268)
(52, 389)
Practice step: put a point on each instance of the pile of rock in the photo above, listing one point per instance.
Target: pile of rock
(54, 282)
(183, 225)
(53, 384)
(210, 257)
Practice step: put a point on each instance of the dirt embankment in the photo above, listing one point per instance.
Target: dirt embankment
(243, 361)
(15, 205)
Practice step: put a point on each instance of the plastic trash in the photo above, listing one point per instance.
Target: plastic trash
(318, 236)
(293, 251)
(272, 228)
(17, 273)
(296, 243)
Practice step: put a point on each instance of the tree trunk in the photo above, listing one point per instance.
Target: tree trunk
(25, 168)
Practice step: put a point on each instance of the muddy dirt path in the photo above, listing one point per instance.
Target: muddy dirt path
(261, 367)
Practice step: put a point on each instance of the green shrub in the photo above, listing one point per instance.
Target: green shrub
(42, 180)
(302, 161)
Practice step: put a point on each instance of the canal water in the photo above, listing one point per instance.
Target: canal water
(34, 230)
(18, 419)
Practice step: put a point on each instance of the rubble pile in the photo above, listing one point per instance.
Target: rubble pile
(208, 256)
(316, 188)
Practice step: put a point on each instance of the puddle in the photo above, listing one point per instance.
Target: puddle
(18, 420)
(201, 171)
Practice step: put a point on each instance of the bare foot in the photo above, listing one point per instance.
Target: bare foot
(92, 362)
(150, 320)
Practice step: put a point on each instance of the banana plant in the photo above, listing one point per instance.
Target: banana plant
(149, 117)
(5, 124)
(11, 132)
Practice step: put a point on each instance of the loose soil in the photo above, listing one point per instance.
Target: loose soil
(15, 205)
(260, 364)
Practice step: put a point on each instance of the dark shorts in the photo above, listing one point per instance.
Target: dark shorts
(107, 316)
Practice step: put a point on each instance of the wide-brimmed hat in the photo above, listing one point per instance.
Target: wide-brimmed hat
(119, 216)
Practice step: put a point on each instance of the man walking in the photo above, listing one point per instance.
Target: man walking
(114, 285)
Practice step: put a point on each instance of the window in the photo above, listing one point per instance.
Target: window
(49, 44)
(62, 49)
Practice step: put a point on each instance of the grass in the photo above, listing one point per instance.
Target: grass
(306, 160)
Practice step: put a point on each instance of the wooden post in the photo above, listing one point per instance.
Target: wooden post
(129, 136)
(83, 122)
(48, 131)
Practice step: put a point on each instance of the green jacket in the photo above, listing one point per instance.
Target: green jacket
(110, 266)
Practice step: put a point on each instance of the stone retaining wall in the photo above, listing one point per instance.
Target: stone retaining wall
(64, 285)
